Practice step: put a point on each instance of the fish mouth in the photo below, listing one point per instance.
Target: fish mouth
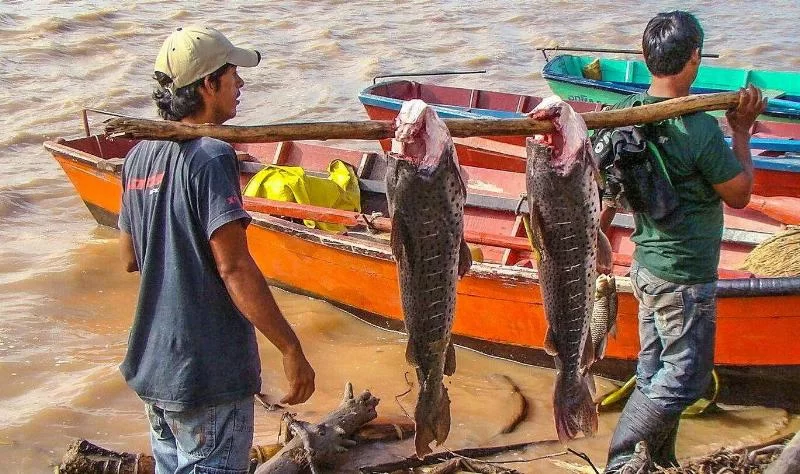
(411, 151)
(555, 142)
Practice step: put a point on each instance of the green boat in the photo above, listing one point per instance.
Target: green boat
(592, 79)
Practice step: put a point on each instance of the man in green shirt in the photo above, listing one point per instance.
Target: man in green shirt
(674, 271)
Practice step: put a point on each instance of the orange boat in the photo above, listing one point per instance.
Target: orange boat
(499, 309)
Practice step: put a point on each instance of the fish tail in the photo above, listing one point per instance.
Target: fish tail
(573, 407)
(431, 419)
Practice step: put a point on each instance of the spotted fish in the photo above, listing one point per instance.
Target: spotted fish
(426, 193)
(564, 205)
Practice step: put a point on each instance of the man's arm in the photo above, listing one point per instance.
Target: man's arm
(736, 191)
(126, 252)
(250, 293)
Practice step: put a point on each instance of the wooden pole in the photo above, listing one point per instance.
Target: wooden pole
(380, 129)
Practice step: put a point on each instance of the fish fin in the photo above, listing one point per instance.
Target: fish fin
(410, 355)
(613, 301)
(549, 342)
(535, 232)
(605, 254)
(450, 360)
(589, 355)
(464, 259)
(574, 409)
(431, 419)
(397, 239)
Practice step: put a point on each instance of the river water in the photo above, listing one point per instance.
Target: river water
(66, 305)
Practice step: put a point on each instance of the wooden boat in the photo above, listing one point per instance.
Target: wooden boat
(568, 77)
(776, 145)
(499, 309)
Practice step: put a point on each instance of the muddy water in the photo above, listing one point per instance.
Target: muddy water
(65, 305)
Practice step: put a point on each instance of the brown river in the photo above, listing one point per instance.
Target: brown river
(66, 304)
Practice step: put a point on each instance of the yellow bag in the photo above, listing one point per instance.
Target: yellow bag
(291, 184)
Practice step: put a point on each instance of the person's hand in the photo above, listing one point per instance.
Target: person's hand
(750, 106)
(300, 376)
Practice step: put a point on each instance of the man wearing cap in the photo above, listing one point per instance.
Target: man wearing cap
(192, 352)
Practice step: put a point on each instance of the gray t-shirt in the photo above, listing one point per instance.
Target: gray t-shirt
(189, 345)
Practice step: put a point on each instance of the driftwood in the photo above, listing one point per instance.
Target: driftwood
(469, 465)
(436, 458)
(321, 444)
(355, 417)
(379, 129)
(83, 457)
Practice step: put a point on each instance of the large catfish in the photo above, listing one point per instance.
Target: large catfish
(564, 203)
(426, 195)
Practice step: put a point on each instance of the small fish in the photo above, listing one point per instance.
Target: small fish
(604, 314)
(564, 206)
(426, 194)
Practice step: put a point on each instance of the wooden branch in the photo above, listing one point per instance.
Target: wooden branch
(328, 439)
(323, 443)
(436, 458)
(379, 129)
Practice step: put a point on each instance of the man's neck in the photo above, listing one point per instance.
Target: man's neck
(199, 119)
(669, 87)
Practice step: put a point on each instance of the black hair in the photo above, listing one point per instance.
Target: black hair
(184, 101)
(669, 41)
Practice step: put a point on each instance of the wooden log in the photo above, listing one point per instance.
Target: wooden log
(324, 442)
(379, 129)
(83, 457)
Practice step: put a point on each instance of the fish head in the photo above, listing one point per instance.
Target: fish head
(421, 138)
(570, 142)
(602, 286)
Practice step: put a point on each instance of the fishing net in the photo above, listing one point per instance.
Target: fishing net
(778, 256)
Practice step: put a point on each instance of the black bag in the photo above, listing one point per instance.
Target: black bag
(635, 173)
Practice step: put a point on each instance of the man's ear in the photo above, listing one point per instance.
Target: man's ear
(696, 56)
(208, 84)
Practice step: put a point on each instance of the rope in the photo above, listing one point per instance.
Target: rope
(778, 256)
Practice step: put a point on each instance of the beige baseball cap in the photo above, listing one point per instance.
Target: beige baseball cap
(193, 52)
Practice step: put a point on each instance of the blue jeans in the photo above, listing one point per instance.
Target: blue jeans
(213, 439)
(676, 332)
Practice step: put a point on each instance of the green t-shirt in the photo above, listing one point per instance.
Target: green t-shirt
(696, 157)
